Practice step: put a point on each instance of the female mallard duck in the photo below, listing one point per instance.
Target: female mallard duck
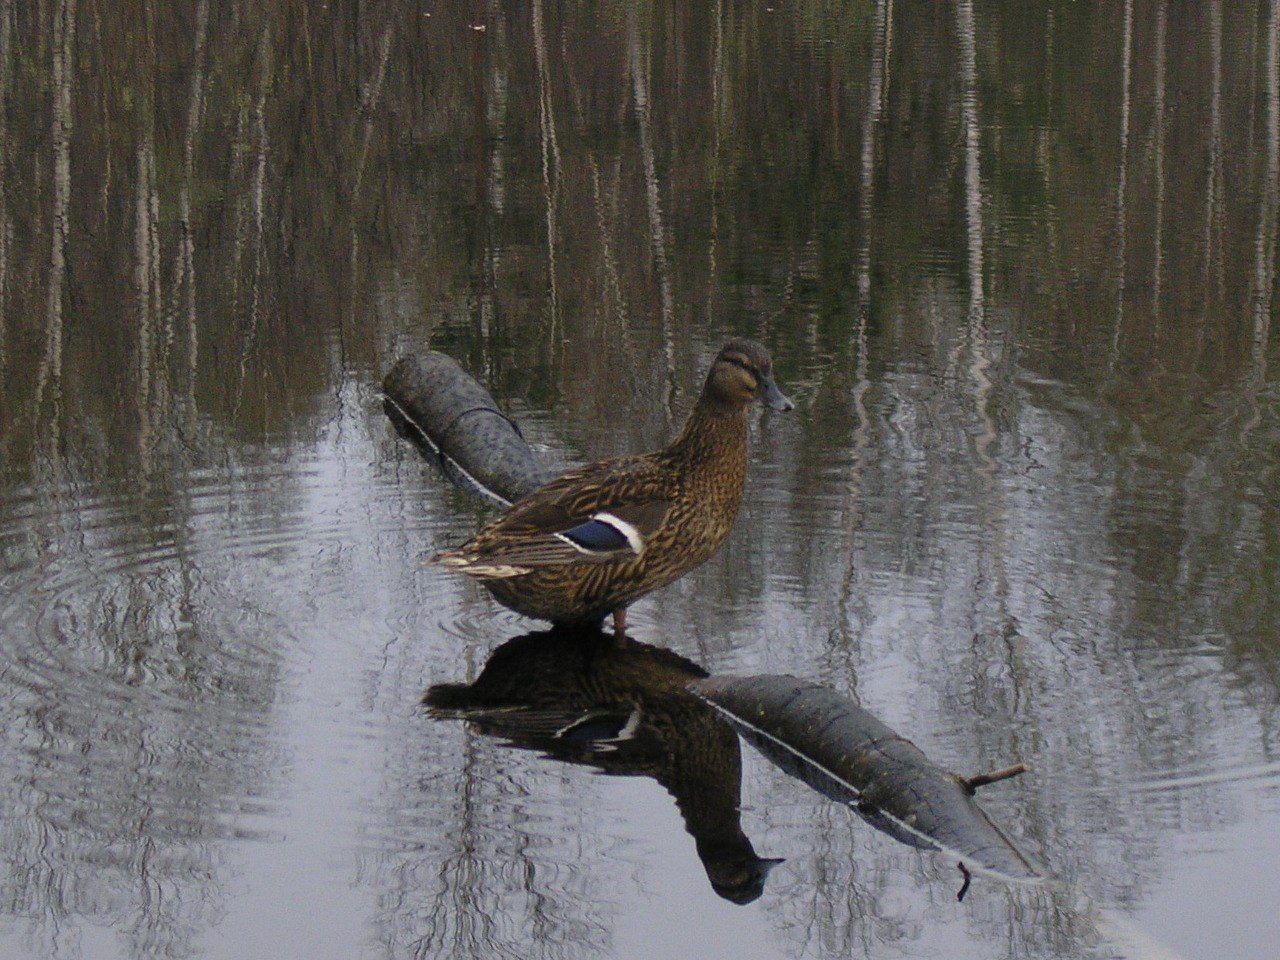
(598, 538)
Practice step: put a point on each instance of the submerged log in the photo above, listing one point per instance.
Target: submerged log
(842, 751)
(452, 419)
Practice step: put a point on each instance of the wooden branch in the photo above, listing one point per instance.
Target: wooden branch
(982, 779)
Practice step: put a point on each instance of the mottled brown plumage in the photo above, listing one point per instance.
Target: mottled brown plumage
(600, 537)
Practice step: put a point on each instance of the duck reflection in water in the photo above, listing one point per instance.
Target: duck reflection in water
(577, 696)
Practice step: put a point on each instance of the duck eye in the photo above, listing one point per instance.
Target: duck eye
(742, 364)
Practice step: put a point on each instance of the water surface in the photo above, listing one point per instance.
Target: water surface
(1016, 262)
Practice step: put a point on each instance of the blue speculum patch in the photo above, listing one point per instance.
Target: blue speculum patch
(597, 535)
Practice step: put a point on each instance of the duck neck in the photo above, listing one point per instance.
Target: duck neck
(715, 432)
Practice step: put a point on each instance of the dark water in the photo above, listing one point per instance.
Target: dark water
(1017, 264)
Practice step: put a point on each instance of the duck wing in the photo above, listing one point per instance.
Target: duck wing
(604, 511)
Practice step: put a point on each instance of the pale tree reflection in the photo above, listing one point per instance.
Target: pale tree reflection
(1022, 514)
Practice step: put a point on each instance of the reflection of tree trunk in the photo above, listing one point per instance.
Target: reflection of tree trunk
(104, 114)
(1255, 74)
(717, 119)
(1125, 65)
(497, 109)
(146, 272)
(62, 73)
(638, 62)
(370, 99)
(184, 267)
(1264, 247)
(495, 181)
(1213, 178)
(550, 159)
(976, 329)
(460, 920)
(1158, 269)
(1264, 242)
(1046, 136)
(146, 262)
(608, 256)
(4, 188)
(888, 50)
(978, 345)
(258, 190)
(143, 158)
(257, 193)
(880, 52)
(972, 168)
(870, 130)
(235, 172)
(980, 358)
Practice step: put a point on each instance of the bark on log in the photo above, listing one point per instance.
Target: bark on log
(453, 420)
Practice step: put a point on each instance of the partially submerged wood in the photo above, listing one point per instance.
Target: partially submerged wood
(982, 779)
(453, 420)
(846, 754)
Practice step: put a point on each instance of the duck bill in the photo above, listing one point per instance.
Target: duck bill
(774, 398)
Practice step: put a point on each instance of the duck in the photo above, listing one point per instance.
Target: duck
(623, 709)
(595, 539)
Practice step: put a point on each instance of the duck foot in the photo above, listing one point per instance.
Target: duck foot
(620, 626)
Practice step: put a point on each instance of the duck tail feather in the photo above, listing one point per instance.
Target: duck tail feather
(476, 566)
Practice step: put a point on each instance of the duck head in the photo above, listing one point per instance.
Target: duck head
(737, 875)
(743, 372)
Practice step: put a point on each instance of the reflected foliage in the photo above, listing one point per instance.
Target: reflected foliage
(1018, 257)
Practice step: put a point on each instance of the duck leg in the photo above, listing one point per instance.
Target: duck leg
(620, 625)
